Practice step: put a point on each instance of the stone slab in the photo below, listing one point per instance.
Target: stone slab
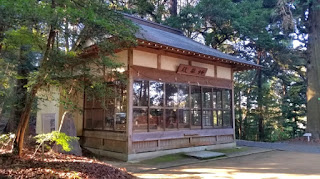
(69, 128)
(205, 154)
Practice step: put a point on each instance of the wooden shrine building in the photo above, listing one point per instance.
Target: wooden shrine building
(179, 98)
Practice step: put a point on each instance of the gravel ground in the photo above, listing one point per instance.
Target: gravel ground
(286, 146)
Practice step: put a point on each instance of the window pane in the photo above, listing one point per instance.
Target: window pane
(109, 114)
(226, 96)
(97, 103)
(196, 118)
(219, 100)
(207, 99)
(121, 109)
(97, 116)
(215, 118)
(219, 118)
(156, 94)
(171, 119)
(121, 100)
(214, 99)
(226, 118)
(121, 119)
(207, 119)
(183, 96)
(195, 97)
(89, 101)
(171, 95)
(184, 118)
(140, 93)
(156, 119)
(140, 122)
(88, 118)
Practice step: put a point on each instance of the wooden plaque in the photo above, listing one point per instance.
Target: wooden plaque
(192, 70)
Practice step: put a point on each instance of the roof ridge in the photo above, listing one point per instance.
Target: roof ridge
(153, 24)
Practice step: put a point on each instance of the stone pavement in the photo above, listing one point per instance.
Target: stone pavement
(281, 146)
(204, 155)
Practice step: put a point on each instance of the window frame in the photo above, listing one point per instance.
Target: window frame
(213, 109)
(116, 87)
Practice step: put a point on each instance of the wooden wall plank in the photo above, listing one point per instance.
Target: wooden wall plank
(181, 56)
(138, 72)
(161, 135)
(105, 135)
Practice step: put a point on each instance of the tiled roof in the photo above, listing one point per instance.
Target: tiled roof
(165, 35)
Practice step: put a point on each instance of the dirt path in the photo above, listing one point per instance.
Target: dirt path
(268, 165)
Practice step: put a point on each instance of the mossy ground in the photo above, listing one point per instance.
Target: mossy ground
(231, 150)
(165, 158)
(181, 156)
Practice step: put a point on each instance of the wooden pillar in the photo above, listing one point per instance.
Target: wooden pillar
(215, 71)
(129, 102)
(232, 107)
(159, 61)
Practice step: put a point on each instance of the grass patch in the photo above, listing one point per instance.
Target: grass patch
(231, 150)
(165, 158)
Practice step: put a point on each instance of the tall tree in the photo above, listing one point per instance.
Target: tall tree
(259, 31)
(173, 7)
(313, 69)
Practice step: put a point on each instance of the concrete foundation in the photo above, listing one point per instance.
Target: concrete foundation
(149, 155)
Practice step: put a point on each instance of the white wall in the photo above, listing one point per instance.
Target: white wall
(224, 72)
(145, 59)
(122, 57)
(210, 68)
(172, 63)
(49, 106)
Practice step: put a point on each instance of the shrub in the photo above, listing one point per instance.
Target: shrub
(56, 137)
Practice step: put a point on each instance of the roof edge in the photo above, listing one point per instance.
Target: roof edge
(244, 63)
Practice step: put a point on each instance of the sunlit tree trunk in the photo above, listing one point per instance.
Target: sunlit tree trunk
(313, 70)
(24, 120)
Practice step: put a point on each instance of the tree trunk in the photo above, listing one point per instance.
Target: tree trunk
(245, 120)
(24, 120)
(260, 107)
(313, 70)
(20, 90)
(25, 116)
(240, 116)
(173, 7)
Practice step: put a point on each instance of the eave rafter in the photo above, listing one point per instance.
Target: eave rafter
(237, 66)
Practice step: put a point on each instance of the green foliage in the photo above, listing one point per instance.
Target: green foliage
(56, 137)
(44, 44)
(187, 20)
(5, 139)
